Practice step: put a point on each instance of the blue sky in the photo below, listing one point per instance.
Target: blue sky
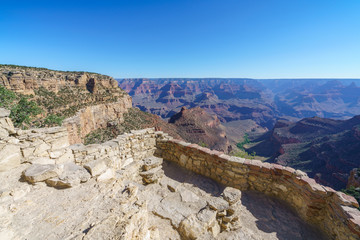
(185, 38)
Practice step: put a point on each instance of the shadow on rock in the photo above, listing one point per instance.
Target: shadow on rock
(180, 174)
(274, 215)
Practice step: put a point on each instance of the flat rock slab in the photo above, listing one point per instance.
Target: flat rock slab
(71, 176)
(40, 172)
(174, 208)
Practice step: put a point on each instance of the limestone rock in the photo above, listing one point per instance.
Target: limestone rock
(188, 196)
(107, 175)
(7, 124)
(231, 195)
(200, 226)
(10, 157)
(3, 133)
(68, 156)
(218, 204)
(40, 172)
(72, 175)
(42, 160)
(152, 162)
(96, 167)
(152, 175)
(4, 112)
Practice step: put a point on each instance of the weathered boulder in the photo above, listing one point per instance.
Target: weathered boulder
(72, 175)
(231, 195)
(10, 156)
(4, 112)
(96, 167)
(41, 172)
(200, 226)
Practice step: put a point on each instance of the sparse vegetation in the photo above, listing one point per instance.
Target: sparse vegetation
(352, 191)
(243, 154)
(24, 112)
(134, 119)
(7, 98)
(246, 140)
(53, 120)
(202, 144)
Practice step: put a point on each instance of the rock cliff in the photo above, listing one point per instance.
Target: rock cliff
(88, 100)
(25, 80)
(197, 126)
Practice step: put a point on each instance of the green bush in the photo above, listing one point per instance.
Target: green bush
(355, 192)
(7, 98)
(23, 112)
(246, 140)
(202, 144)
(53, 120)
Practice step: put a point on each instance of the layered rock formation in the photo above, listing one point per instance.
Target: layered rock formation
(89, 100)
(261, 100)
(229, 99)
(93, 117)
(27, 79)
(326, 149)
(197, 126)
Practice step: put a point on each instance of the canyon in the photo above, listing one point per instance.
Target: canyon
(141, 182)
(144, 185)
(326, 149)
(260, 100)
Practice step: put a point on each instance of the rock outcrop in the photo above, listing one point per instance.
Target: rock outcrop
(354, 178)
(25, 80)
(94, 117)
(197, 126)
(89, 101)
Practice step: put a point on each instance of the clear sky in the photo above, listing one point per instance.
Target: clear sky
(185, 38)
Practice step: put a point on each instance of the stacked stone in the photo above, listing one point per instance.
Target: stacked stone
(334, 212)
(45, 145)
(228, 218)
(152, 170)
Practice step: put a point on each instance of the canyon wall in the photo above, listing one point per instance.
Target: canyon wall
(93, 117)
(88, 100)
(334, 212)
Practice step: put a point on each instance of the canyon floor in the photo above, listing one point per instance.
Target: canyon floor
(176, 207)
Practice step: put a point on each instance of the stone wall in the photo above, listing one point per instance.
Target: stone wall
(93, 117)
(334, 212)
(52, 146)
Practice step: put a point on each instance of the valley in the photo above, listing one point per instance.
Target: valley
(307, 124)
